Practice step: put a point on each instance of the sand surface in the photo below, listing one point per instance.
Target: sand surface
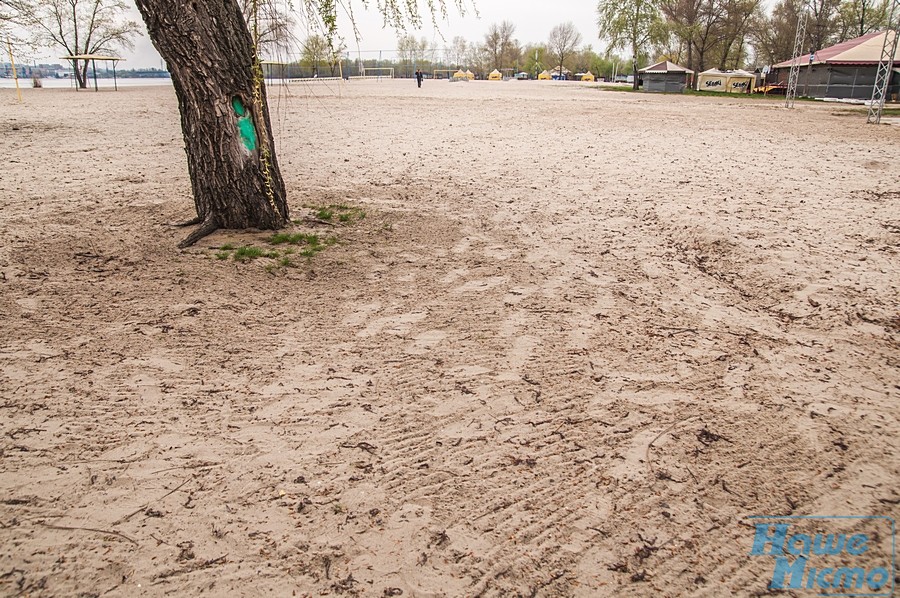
(578, 338)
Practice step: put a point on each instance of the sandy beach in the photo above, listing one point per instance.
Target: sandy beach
(565, 343)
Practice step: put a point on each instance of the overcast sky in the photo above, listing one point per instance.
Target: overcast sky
(533, 22)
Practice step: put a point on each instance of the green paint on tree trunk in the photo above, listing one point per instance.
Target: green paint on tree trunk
(245, 124)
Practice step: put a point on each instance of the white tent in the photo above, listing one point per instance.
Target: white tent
(737, 81)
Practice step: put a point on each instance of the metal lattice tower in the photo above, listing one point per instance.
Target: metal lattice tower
(791, 94)
(886, 66)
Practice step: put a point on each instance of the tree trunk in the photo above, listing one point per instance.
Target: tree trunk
(635, 84)
(234, 174)
(81, 73)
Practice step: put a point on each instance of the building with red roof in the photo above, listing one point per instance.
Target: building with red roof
(843, 71)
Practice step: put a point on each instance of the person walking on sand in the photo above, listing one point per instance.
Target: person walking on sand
(419, 77)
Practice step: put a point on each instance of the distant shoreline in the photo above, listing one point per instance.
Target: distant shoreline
(102, 82)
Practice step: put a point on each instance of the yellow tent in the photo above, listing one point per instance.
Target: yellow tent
(470, 75)
(495, 76)
(588, 76)
(460, 74)
(545, 76)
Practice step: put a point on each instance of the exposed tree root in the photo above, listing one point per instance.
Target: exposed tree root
(192, 222)
(207, 228)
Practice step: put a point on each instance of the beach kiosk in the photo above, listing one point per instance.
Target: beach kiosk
(726, 81)
(470, 75)
(495, 76)
(665, 77)
(545, 76)
(460, 75)
(588, 76)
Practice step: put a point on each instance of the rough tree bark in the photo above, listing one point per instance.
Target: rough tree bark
(234, 173)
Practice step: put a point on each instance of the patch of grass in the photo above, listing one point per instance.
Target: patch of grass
(710, 94)
(283, 262)
(313, 249)
(249, 252)
(850, 111)
(227, 247)
(223, 255)
(294, 239)
(745, 96)
(310, 244)
(342, 213)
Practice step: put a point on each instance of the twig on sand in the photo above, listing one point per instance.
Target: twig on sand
(660, 435)
(200, 465)
(317, 221)
(144, 506)
(675, 330)
(202, 565)
(363, 446)
(89, 529)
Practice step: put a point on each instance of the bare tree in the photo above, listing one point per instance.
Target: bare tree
(697, 24)
(335, 54)
(735, 32)
(824, 24)
(563, 42)
(671, 47)
(456, 53)
(859, 17)
(224, 111)
(510, 50)
(8, 11)
(499, 43)
(271, 24)
(773, 35)
(78, 26)
(493, 45)
(477, 58)
(411, 52)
